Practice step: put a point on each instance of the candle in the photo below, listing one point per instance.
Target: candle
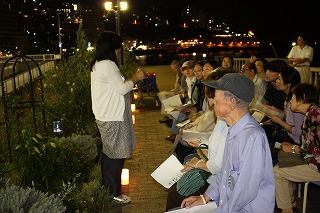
(133, 107)
(135, 96)
(125, 177)
(133, 119)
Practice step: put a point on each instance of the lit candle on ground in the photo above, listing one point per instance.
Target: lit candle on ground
(125, 177)
(133, 107)
(133, 119)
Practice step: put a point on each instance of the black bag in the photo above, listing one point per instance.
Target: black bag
(279, 134)
(288, 159)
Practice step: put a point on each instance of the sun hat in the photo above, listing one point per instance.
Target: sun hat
(236, 83)
(187, 64)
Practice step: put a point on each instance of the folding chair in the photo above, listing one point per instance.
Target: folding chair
(147, 88)
(305, 193)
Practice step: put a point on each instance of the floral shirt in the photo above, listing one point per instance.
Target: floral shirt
(310, 138)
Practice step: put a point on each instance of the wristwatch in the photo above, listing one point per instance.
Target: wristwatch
(293, 149)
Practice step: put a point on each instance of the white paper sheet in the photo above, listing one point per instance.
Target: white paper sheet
(208, 208)
(202, 137)
(258, 116)
(170, 103)
(257, 106)
(168, 173)
(183, 123)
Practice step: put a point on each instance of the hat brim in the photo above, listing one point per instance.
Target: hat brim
(212, 84)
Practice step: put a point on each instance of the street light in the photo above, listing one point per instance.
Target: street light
(121, 6)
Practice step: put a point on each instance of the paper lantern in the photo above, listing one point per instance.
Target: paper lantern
(125, 177)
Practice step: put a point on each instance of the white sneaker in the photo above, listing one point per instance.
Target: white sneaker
(122, 199)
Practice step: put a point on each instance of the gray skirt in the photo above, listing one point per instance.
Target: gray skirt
(118, 139)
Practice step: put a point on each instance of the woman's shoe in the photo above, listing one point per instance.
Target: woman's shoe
(294, 205)
(171, 137)
(122, 199)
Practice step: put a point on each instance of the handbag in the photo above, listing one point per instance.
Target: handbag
(191, 181)
(288, 159)
(195, 178)
(279, 134)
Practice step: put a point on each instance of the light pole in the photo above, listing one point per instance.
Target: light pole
(59, 34)
(121, 6)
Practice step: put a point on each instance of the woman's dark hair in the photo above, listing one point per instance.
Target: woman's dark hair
(106, 45)
(200, 62)
(212, 63)
(306, 93)
(290, 76)
(252, 66)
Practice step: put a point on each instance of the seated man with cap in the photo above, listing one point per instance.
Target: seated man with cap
(247, 159)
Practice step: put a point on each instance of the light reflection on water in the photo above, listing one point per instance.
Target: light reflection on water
(165, 59)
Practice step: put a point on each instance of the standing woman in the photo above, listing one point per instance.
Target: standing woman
(110, 95)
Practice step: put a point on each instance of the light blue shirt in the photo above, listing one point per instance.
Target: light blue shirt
(245, 182)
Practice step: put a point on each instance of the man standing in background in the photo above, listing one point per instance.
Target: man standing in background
(300, 57)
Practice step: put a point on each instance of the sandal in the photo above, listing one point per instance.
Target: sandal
(122, 199)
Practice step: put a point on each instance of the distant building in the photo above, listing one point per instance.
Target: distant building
(93, 23)
(11, 36)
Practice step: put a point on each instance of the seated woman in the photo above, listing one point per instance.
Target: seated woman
(290, 127)
(305, 100)
(192, 99)
(213, 165)
(204, 123)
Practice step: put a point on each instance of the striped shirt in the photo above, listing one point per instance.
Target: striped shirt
(275, 97)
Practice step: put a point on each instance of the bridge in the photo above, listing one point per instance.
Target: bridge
(22, 77)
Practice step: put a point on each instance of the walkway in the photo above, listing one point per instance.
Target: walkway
(152, 149)
(147, 195)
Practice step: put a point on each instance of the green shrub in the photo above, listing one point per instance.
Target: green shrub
(84, 146)
(17, 199)
(47, 163)
(93, 198)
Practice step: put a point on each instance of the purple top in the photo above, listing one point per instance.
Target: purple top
(295, 119)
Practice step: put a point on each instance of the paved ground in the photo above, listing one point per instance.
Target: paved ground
(147, 195)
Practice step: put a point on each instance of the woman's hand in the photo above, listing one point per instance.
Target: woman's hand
(191, 202)
(194, 143)
(188, 126)
(138, 75)
(286, 146)
(274, 118)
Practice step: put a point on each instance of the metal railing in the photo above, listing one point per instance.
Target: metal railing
(38, 57)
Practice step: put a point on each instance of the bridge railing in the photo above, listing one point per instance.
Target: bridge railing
(38, 57)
